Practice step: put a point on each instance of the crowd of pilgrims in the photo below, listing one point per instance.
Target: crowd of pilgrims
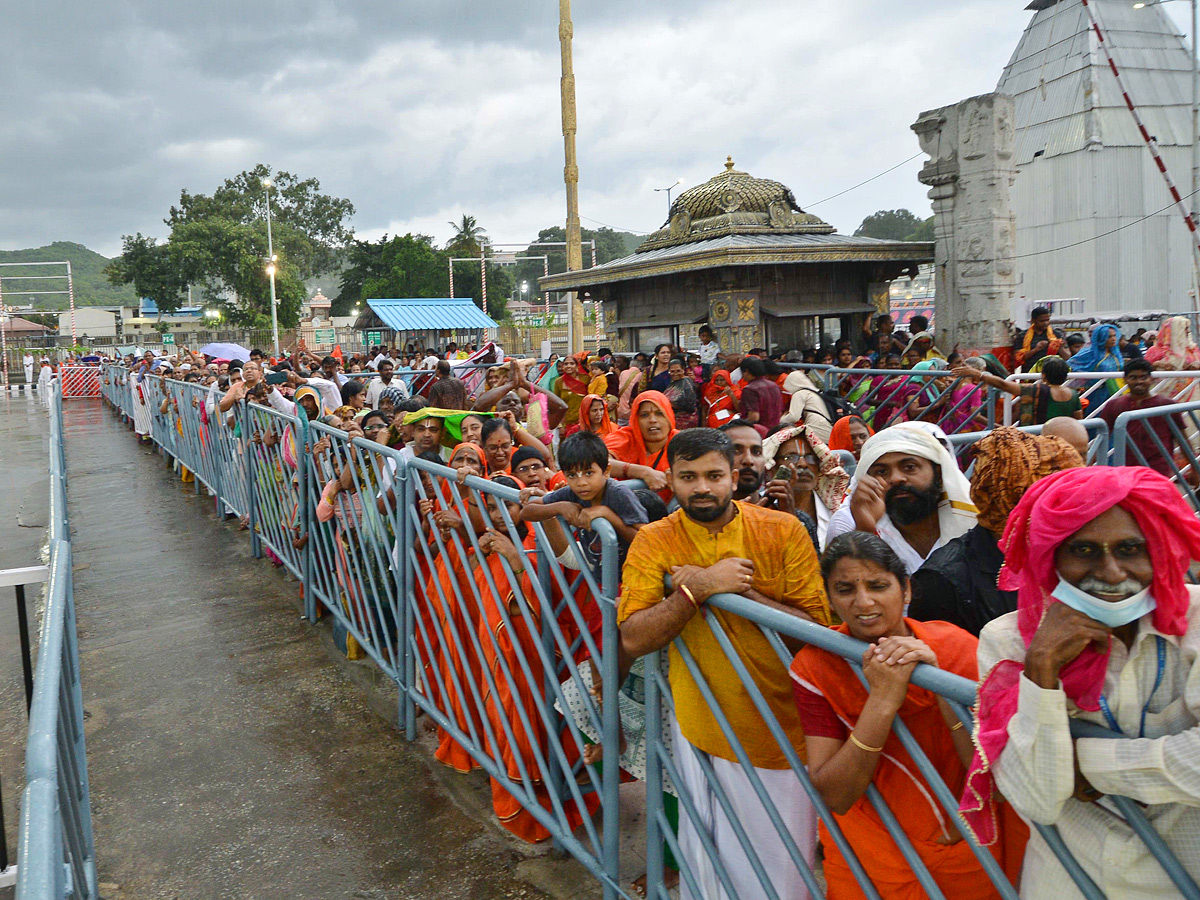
(723, 473)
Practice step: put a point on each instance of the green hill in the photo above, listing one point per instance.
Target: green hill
(87, 273)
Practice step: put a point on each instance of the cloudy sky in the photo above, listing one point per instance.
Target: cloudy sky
(423, 110)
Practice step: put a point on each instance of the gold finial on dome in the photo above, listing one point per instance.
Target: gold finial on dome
(728, 163)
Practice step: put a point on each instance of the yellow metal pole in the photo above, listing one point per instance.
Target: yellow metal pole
(570, 170)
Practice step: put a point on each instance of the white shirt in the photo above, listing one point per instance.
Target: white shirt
(376, 388)
(709, 353)
(430, 362)
(843, 520)
(1036, 770)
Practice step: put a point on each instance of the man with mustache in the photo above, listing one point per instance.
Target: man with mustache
(907, 489)
(1103, 633)
(750, 468)
(712, 545)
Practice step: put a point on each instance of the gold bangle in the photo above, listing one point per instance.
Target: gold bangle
(861, 746)
(957, 725)
(691, 597)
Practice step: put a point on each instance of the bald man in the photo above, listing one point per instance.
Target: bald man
(1070, 430)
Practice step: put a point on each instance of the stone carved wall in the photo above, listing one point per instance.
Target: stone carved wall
(970, 175)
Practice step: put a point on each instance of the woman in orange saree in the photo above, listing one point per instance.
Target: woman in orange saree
(518, 687)
(456, 621)
(851, 745)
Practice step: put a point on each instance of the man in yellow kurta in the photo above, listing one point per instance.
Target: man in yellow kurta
(713, 545)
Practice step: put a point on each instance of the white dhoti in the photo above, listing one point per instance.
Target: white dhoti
(141, 410)
(791, 802)
(29, 372)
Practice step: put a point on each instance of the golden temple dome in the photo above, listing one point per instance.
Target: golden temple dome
(734, 202)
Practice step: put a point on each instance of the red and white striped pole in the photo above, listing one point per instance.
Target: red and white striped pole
(450, 264)
(1152, 144)
(483, 278)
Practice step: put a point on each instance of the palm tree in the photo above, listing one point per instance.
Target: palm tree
(468, 237)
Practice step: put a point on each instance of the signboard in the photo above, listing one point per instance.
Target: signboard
(374, 338)
(325, 336)
(168, 340)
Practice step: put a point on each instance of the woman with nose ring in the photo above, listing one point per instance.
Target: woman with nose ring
(851, 745)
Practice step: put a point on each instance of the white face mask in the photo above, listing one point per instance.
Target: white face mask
(1115, 614)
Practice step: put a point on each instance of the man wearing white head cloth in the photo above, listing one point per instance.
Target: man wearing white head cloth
(907, 489)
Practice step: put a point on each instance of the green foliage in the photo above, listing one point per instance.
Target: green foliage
(219, 245)
(408, 266)
(412, 266)
(896, 225)
(468, 238)
(92, 286)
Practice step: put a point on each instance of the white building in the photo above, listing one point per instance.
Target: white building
(1084, 170)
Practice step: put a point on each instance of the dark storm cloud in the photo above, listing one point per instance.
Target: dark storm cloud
(421, 111)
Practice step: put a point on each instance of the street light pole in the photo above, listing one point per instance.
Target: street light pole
(668, 189)
(271, 270)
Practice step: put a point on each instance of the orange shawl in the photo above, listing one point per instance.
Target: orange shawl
(627, 444)
(606, 427)
(926, 823)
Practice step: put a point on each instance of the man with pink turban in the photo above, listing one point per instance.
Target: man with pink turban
(1106, 631)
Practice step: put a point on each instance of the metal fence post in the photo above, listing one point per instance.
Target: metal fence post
(307, 516)
(408, 597)
(251, 499)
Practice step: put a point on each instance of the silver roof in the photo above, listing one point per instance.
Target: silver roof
(1066, 97)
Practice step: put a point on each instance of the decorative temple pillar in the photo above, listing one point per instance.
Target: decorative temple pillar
(970, 175)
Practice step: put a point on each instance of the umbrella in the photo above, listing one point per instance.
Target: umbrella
(226, 351)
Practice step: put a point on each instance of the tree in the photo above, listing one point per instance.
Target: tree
(219, 244)
(469, 238)
(894, 225)
(155, 270)
(408, 266)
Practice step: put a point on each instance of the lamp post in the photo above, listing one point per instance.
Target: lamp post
(1195, 133)
(267, 183)
(668, 189)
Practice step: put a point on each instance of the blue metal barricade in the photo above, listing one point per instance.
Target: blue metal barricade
(56, 852)
(1176, 456)
(503, 634)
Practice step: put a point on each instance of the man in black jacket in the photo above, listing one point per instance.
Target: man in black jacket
(957, 583)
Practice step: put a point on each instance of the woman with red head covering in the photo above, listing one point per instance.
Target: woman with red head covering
(639, 450)
(593, 416)
(849, 433)
(722, 399)
(1105, 632)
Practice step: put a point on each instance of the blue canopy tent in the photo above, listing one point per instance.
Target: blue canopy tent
(432, 320)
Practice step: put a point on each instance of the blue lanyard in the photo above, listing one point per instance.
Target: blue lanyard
(1162, 662)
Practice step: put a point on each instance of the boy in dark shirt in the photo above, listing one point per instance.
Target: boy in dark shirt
(589, 495)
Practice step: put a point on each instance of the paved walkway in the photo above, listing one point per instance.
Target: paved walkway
(229, 758)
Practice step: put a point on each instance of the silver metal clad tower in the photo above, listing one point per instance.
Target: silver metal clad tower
(1083, 168)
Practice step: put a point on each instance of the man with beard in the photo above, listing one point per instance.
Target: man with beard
(908, 490)
(1102, 634)
(711, 545)
(750, 466)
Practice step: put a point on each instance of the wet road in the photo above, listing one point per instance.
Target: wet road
(228, 757)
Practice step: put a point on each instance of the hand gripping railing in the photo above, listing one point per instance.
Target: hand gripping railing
(959, 692)
(56, 852)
